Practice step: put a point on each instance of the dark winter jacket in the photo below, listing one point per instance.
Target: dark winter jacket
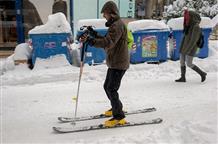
(192, 33)
(115, 41)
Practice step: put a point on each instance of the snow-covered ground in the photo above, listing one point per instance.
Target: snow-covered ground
(31, 101)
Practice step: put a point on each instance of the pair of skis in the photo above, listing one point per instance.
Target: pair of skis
(72, 129)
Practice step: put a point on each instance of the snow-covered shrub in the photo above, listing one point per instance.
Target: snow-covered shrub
(206, 8)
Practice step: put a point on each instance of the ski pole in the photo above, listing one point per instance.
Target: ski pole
(80, 76)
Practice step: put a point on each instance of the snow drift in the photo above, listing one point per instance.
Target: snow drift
(57, 23)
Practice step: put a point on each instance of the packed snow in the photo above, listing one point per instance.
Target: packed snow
(146, 25)
(31, 101)
(57, 23)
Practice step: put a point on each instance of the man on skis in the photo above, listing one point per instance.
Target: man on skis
(117, 59)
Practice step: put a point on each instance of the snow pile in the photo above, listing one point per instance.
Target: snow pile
(57, 23)
(177, 23)
(213, 50)
(146, 25)
(7, 64)
(97, 23)
(215, 21)
(22, 52)
(55, 61)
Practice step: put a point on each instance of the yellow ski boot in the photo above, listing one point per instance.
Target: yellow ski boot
(108, 113)
(113, 122)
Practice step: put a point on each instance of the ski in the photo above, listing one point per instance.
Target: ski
(70, 119)
(72, 129)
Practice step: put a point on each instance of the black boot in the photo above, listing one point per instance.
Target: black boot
(200, 72)
(182, 79)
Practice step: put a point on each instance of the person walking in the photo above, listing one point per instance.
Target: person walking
(117, 60)
(189, 46)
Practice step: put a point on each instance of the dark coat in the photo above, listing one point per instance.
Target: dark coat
(192, 35)
(115, 41)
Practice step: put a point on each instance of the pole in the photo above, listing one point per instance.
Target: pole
(80, 76)
(19, 21)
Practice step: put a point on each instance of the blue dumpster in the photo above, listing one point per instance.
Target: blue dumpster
(95, 55)
(177, 35)
(151, 45)
(46, 45)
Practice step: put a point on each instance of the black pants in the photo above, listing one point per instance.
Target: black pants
(111, 86)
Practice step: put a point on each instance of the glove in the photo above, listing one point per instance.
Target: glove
(91, 41)
(83, 38)
(92, 32)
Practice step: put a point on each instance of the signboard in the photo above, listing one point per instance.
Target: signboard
(149, 46)
(127, 8)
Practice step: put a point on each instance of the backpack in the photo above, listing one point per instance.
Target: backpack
(200, 42)
(130, 38)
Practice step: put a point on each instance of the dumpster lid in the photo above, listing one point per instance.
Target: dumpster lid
(147, 25)
(97, 23)
(57, 23)
(215, 21)
(177, 23)
(206, 22)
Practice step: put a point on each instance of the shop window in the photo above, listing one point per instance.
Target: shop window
(8, 32)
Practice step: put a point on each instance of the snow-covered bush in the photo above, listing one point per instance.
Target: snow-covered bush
(206, 8)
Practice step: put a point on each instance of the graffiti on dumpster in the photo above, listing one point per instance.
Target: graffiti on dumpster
(50, 45)
(149, 46)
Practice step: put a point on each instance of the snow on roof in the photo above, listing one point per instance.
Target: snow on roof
(215, 21)
(97, 23)
(57, 23)
(146, 24)
(177, 23)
